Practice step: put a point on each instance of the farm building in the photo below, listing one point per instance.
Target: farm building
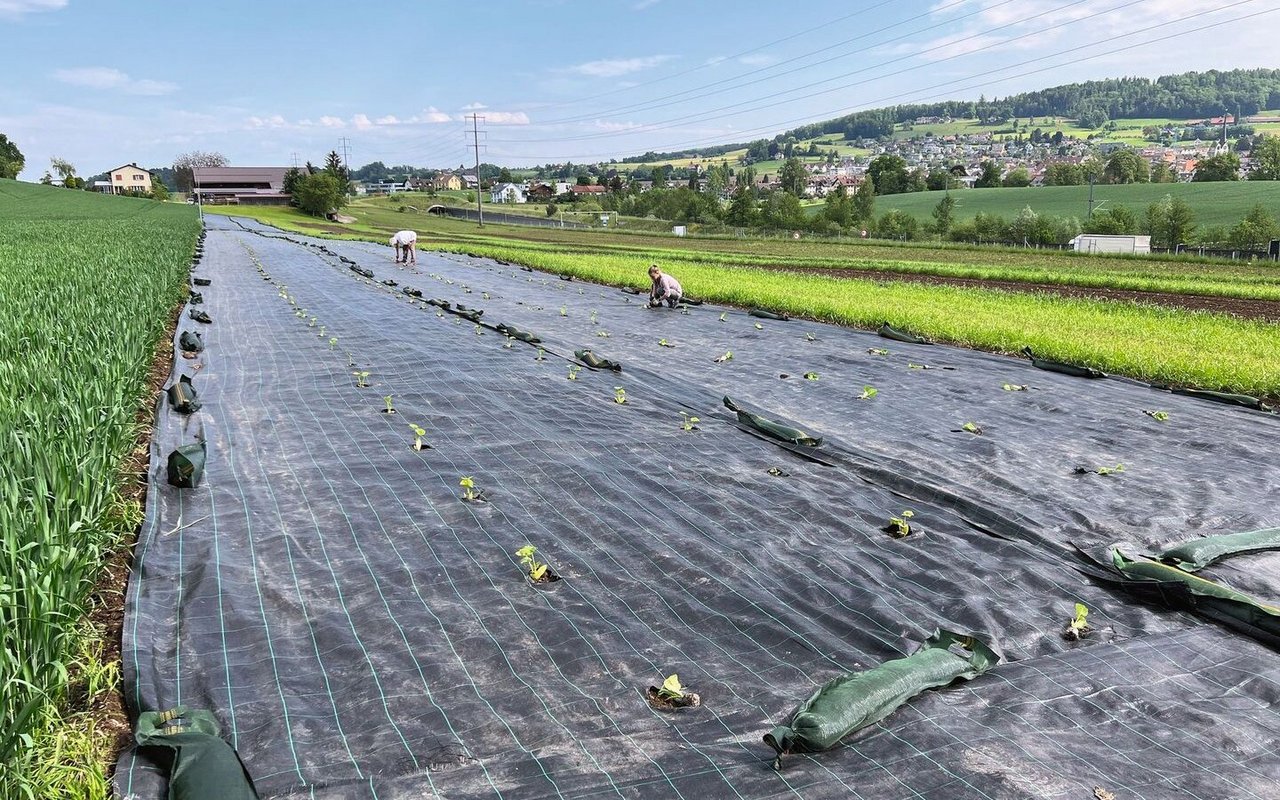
(259, 186)
(129, 179)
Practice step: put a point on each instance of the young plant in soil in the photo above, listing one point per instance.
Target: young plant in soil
(811, 376)
(508, 343)
(593, 316)
(689, 423)
(312, 324)
(418, 432)
(1014, 387)
(969, 427)
(1078, 627)
(672, 695)
(877, 351)
(469, 491)
(479, 331)
(898, 526)
(603, 334)
(724, 316)
(321, 333)
(538, 571)
(918, 366)
(809, 337)
(390, 409)
(540, 355)
(333, 342)
(485, 295)
(728, 356)
(574, 369)
(759, 327)
(362, 379)
(1158, 416)
(665, 343)
(619, 395)
(564, 312)
(1100, 470)
(868, 392)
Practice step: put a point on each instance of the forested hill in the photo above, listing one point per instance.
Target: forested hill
(1191, 95)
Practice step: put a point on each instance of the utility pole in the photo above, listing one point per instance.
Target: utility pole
(295, 159)
(475, 137)
(1090, 197)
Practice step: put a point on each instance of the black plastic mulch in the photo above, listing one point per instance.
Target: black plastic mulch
(361, 631)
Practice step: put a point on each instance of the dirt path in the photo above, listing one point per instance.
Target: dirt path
(1265, 310)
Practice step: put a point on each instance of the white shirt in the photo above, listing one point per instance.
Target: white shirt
(405, 238)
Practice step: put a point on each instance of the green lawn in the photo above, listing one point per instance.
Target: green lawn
(1213, 203)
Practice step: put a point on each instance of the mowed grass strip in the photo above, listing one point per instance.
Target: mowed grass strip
(86, 287)
(1210, 351)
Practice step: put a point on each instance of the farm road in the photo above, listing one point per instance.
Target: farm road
(363, 632)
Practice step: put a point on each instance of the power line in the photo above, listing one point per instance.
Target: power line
(914, 94)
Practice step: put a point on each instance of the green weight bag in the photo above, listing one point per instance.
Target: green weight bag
(183, 397)
(196, 298)
(191, 342)
(859, 699)
(201, 281)
(204, 766)
(762, 314)
(771, 428)
(1200, 553)
(889, 332)
(1073, 370)
(186, 465)
(596, 362)
(516, 333)
(200, 316)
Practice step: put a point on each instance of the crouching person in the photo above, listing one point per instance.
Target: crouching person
(664, 288)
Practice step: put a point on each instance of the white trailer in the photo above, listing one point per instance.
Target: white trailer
(1099, 243)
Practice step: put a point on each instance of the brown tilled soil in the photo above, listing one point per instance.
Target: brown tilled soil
(1265, 310)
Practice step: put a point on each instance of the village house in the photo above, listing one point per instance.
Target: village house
(129, 179)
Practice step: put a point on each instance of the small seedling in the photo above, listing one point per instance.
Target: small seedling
(1014, 387)
(479, 331)
(574, 369)
(351, 362)
(809, 337)
(724, 316)
(1078, 627)
(540, 355)
(877, 351)
(594, 314)
(918, 366)
(1110, 470)
(665, 343)
(759, 327)
(689, 423)
(469, 490)
(779, 472)
(536, 569)
(603, 334)
(362, 379)
(868, 392)
(728, 356)
(1158, 416)
(312, 324)
(971, 427)
(485, 295)
(672, 695)
(321, 333)
(507, 344)
(564, 312)
(390, 409)
(811, 376)
(466, 289)
(619, 395)
(898, 527)
(418, 433)
(333, 342)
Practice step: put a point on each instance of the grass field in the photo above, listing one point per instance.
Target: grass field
(1213, 203)
(1207, 350)
(86, 286)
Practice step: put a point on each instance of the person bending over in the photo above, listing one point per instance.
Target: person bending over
(664, 288)
(405, 243)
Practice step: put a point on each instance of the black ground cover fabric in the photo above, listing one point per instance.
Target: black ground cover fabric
(361, 632)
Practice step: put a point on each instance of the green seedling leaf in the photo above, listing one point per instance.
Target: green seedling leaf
(619, 395)
(809, 337)
(759, 327)
(689, 423)
(603, 334)
(811, 376)
(724, 316)
(877, 351)
(1078, 627)
(918, 366)
(564, 312)
(665, 343)
(1014, 387)
(1158, 416)
(868, 392)
(574, 369)
(671, 688)
(728, 356)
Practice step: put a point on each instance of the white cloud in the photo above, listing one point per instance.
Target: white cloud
(506, 117)
(389, 119)
(273, 121)
(758, 60)
(112, 79)
(433, 114)
(474, 106)
(332, 122)
(16, 8)
(606, 125)
(613, 67)
(361, 121)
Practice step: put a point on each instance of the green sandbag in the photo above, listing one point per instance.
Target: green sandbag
(200, 316)
(596, 362)
(201, 281)
(186, 465)
(1200, 553)
(859, 699)
(183, 397)
(195, 298)
(191, 342)
(630, 290)
(204, 766)
(368, 273)
(889, 332)
(516, 333)
(439, 303)
(1244, 400)
(762, 314)
(1214, 600)
(412, 292)
(390, 282)
(1073, 370)
(771, 428)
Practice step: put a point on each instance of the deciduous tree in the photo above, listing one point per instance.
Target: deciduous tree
(11, 158)
(184, 163)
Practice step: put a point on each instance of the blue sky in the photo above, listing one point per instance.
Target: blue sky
(104, 82)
